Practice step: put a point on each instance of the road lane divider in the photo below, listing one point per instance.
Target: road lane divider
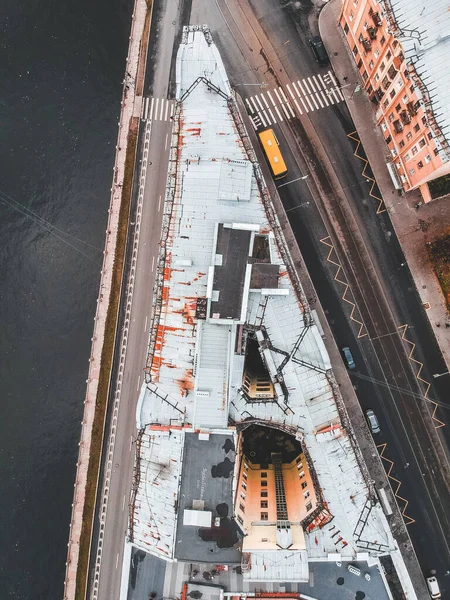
(437, 422)
(397, 486)
(362, 332)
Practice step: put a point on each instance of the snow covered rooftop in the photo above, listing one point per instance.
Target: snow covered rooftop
(196, 360)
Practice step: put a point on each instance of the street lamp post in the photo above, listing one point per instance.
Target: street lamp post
(436, 375)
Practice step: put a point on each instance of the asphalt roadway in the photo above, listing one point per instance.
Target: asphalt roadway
(165, 26)
(383, 291)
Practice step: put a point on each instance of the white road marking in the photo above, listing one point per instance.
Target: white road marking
(166, 114)
(139, 382)
(294, 85)
(311, 83)
(279, 114)
(316, 81)
(324, 85)
(271, 99)
(335, 96)
(172, 110)
(151, 109)
(255, 106)
(117, 560)
(263, 121)
(255, 126)
(280, 100)
(314, 100)
(304, 104)
(131, 442)
(298, 107)
(319, 100)
(283, 106)
(272, 115)
(305, 83)
(290, 91)
(156, 108)
(145, 325)
(291, 110)
(259, 102)
(340, 93)
(165, 145)
(123, 502)
(159, 204)
(283, 94)
(153, 264)
(266, 116)
(309, 102)
(145, 114)
(332, 78)
(299, 83)
(162, 110)
(324, 96)
(264, 100)
(250, 108)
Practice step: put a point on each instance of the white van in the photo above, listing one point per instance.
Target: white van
(433, 587)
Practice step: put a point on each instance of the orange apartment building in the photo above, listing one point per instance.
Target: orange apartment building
(400, 54)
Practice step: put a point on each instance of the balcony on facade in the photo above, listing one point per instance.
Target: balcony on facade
(398, 126)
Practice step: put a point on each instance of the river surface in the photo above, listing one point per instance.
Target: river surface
(61, 69)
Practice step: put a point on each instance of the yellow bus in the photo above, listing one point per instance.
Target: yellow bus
(272, 151)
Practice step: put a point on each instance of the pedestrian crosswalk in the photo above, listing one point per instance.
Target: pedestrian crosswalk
(157, 109)
(297, 98)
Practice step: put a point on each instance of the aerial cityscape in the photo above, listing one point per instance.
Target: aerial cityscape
(259, 312)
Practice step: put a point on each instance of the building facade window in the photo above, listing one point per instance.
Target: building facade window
(263, 483)
(388, 55)
(365, 76)
(263, 475)
(264, 493)
(398, 108)
(346, 28)
(427, 158)
(383, 41)
(416, 127)
(407, 157)
(264, 516)
(308, 506)
(412, 171)
(355, 50)
(430, 135)
(244, 485)
(436, 151)
(301, 474)
(414, 150)
(240, 519)
(401, 143)
(371, 64)
(377, 53)
(242, 507)
(264, 504)
(304, 484)
(306, 494)
(360, 63)
(422, 143)
(408, 135)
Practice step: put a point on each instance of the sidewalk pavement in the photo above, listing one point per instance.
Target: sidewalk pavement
(415, 227)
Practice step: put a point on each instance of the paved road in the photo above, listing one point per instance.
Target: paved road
(383, 290)
(164, 29)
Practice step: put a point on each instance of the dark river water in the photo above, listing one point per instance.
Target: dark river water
(61, 69)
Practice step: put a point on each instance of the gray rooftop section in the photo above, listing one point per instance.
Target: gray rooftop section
(207, 475)
(264, 275)
(232, 250)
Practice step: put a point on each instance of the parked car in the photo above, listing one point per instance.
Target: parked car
(348, 357)
(318, 49)
(433, 587)
(372, 421)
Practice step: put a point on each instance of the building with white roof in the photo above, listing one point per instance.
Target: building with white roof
(244, 455)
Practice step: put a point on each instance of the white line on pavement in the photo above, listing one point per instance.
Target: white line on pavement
(153, 264)
(300, 87)
(145, 325)
(283, 94)
(261, 106)
(156, 108)
(278, 113)
(304, 104)
(250, 108)
(167, 110)
(117, 560)
(309, 102)
(314, 100)
(165, 145)
(123, 502)
(311, 83)
(325, 99)
(322, 82)
(332, 77)
(305, 83)
(263, 121)
(139, 381)
(319, 100)
(131, 442)
(162, 110)
(280, 99)
(272, 115)
(265, 101)
(255, 106)
(340, 93)
(283, 106)
(271, 99)
(335, 96)
(151, 109)
(172, 109)
(298, 107)
(290, 91)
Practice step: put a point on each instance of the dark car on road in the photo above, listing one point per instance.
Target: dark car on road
(348, 357)
(320, 54)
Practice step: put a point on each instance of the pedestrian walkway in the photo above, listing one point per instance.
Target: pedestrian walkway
(297, 98)
(157, 109)
(415, 224)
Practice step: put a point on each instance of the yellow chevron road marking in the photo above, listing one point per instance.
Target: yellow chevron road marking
(327, 242)
(381, 207)
(420, 378)
(408, 520)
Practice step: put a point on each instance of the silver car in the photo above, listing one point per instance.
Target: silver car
(372, 421)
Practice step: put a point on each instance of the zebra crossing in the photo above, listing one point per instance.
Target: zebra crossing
(157, 109)
(298, 97)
